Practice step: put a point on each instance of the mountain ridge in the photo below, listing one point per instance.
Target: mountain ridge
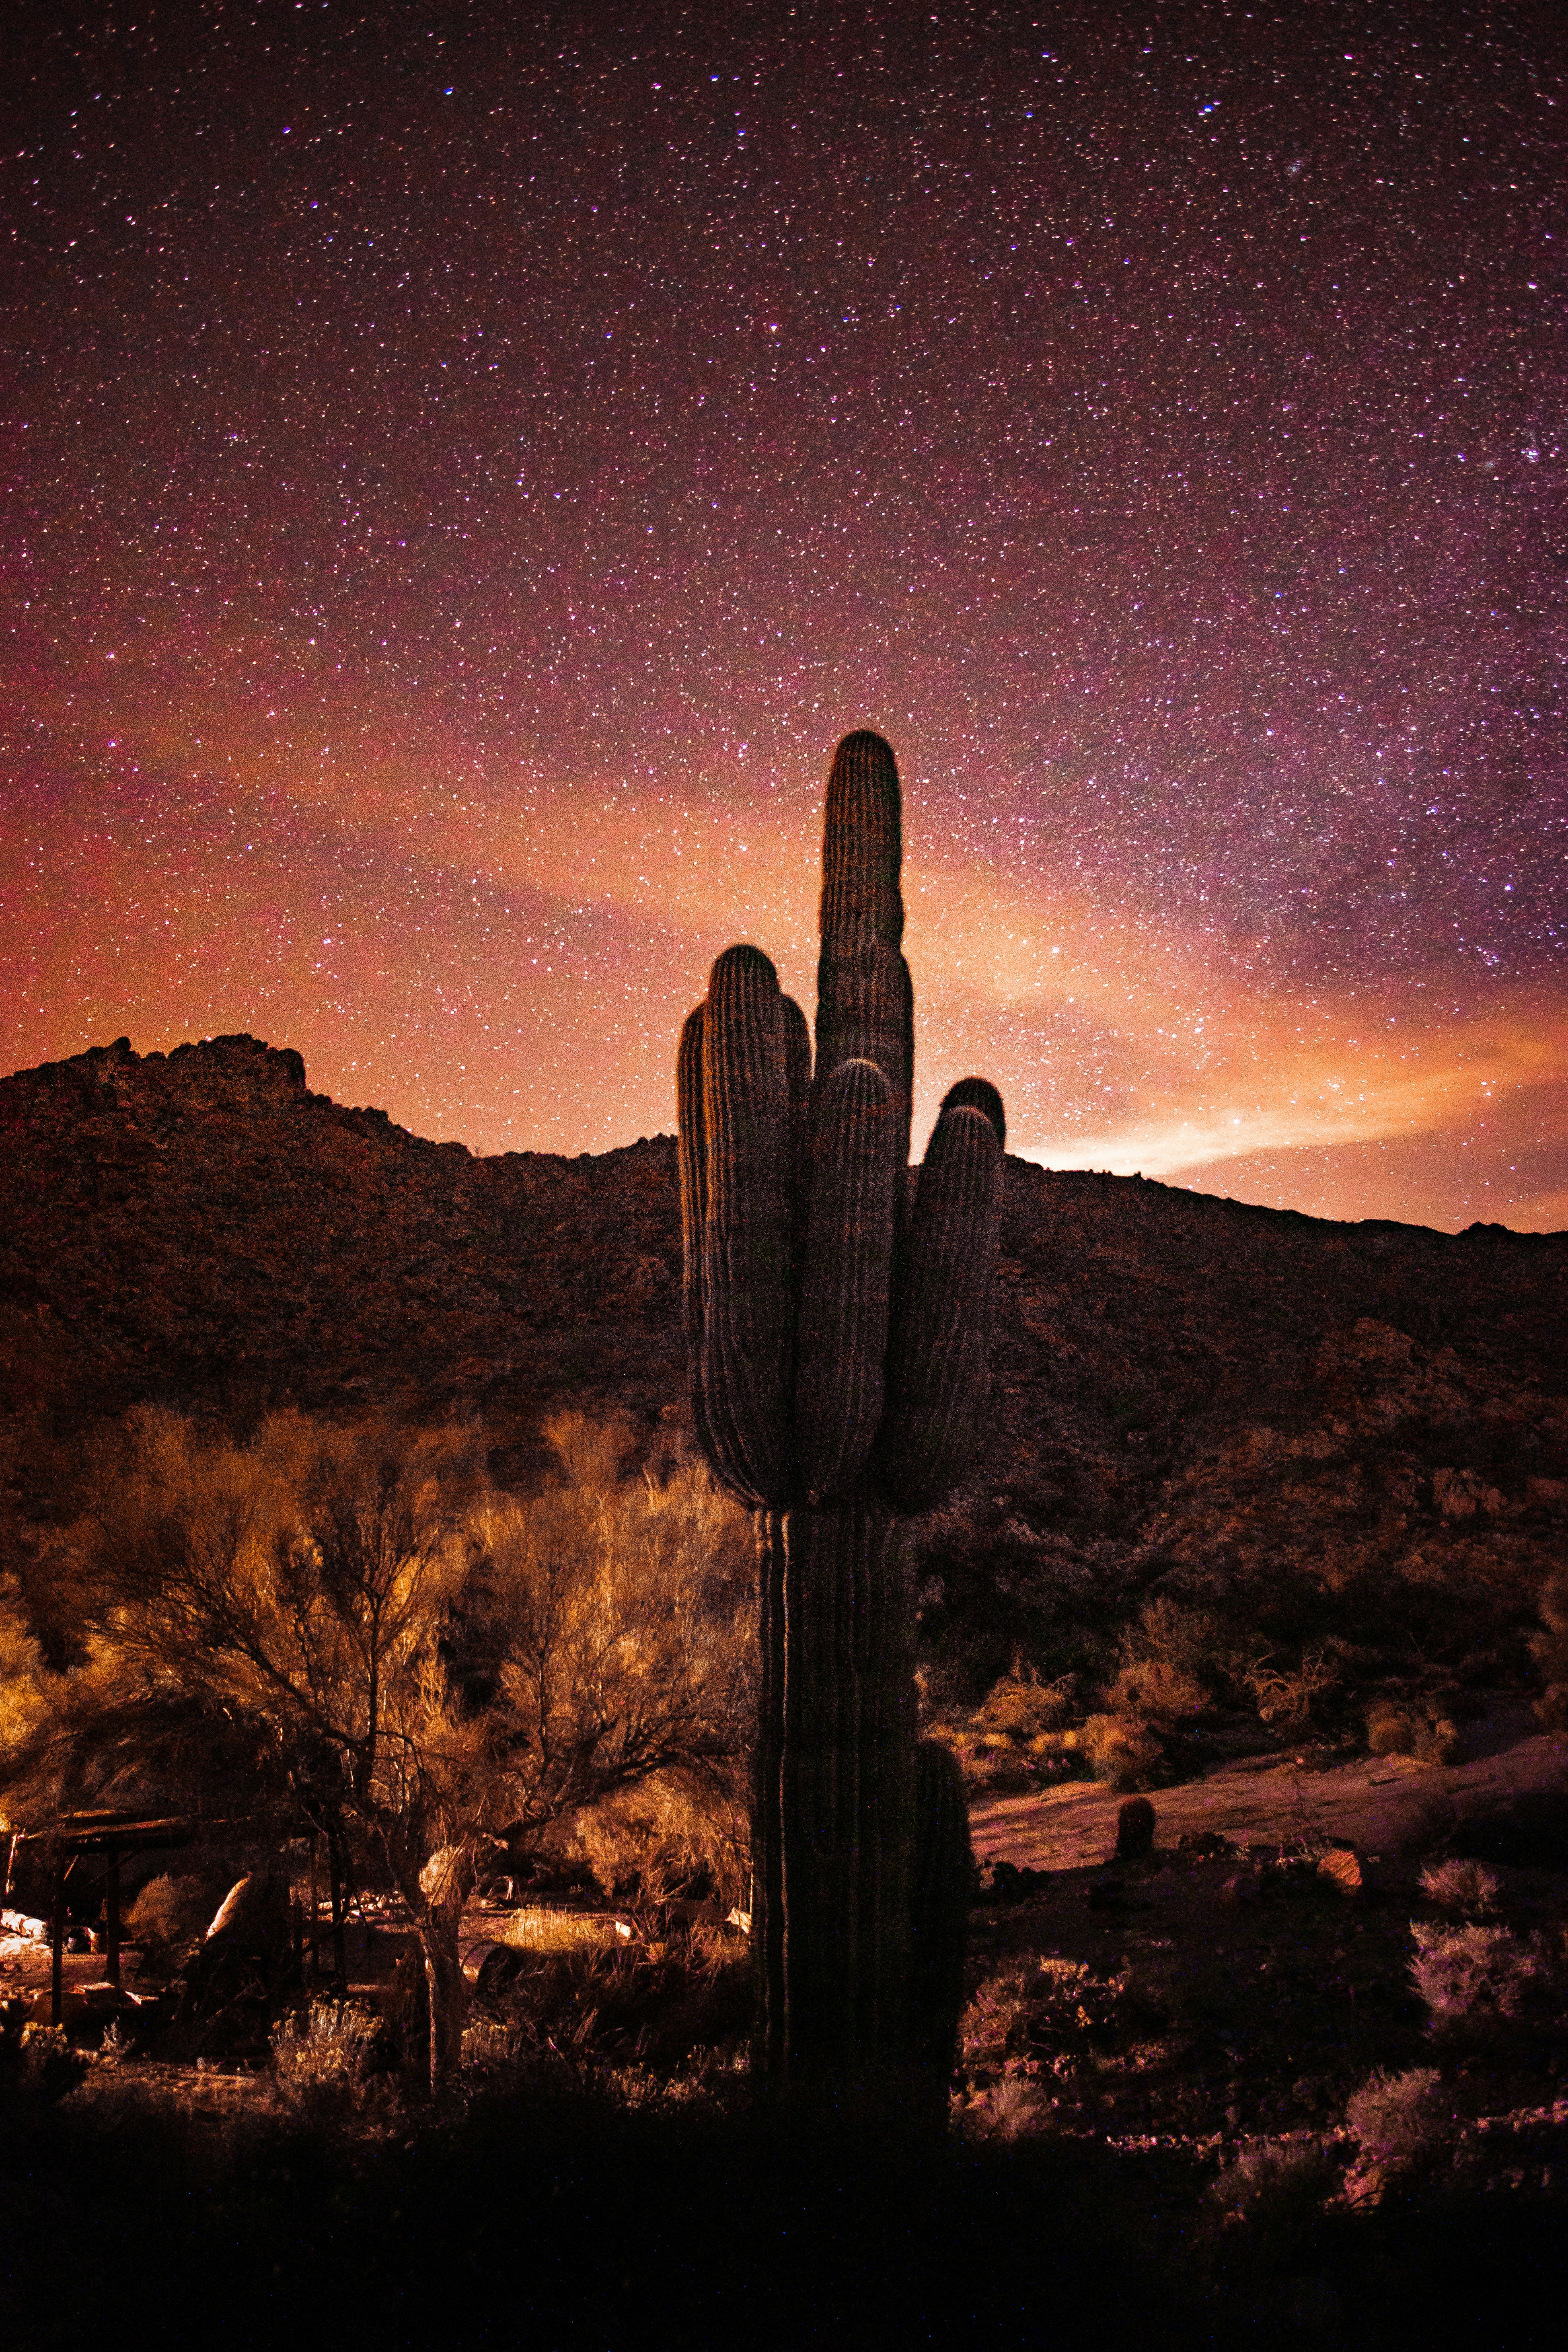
(199, 1229)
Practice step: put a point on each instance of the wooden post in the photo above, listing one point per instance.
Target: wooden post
(112, 1917)
(57, 1945)
(340, 1955)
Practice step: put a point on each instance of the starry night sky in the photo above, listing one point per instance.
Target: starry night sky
(467, 465)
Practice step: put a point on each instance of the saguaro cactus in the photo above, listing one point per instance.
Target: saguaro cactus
(839, 1331)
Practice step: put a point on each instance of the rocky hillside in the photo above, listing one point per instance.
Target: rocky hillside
(1312, 1421)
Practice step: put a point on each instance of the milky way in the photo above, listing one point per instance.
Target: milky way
(468, 465)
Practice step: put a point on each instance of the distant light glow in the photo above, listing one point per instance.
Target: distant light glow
(452, 524)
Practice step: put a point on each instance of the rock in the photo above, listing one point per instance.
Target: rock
(254, 1914)
(1339, 1867)
(1460, 1495)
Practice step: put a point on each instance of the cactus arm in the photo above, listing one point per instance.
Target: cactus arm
(797, 1068)
(693, 1211)
(939, 1355)
(856, 1165)
(797, 1053)
(747, 1298)
(978, 1093)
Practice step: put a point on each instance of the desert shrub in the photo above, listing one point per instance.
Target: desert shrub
(37, 2064)
(1012, 2107)
(1392, 1730)
(1548, 1648)
(1156, 1692)
(1278, 2187)
(1287, 1696)
(1189, 1641)
(1040, 2009)
(1020, 1706)
(1389, 1731)
(1402, 2121)
(1123, 1752)
(673, 1835)
(327, 2054)
(170, 1913)
(1465, 1889)
(652, 2002)
(1472, 1976)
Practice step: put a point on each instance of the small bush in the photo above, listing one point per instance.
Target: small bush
(1123, 1753)
(1045, 2008)
(1154, 1691)
(37, 2064)
(1412, 1730)
(1020, 1706)
(1389, 1731)
(1471, 1977)
(657, 2003)
(1402, 2121)
(1013, 2107)
(326, 2055)
(172, 1913)
(1466, 1890)
(1550, 1650)
(1280, 2185)
(1287, 1696)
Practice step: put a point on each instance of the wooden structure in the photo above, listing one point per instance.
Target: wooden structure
(111, 1834)
(116, 1834)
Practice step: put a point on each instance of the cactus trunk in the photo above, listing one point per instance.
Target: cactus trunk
(833, 1829)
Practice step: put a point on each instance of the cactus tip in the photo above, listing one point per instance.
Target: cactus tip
(978, 1093)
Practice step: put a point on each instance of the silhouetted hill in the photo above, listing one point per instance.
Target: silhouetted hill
(1190, 1393)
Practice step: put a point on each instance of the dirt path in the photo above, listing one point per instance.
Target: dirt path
(1383, 1805)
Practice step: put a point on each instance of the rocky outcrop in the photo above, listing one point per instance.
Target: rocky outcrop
(201, 1229)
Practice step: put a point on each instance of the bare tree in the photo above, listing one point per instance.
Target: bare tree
(417, 1657)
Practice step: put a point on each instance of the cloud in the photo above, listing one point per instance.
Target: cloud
(1359, 1076)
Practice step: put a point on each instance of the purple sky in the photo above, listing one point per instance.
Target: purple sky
(468, 466)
